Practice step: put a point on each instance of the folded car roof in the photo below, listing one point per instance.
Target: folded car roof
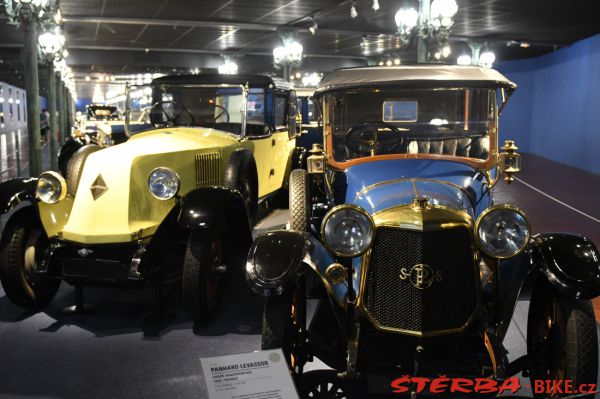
(427, 75)
(215, 78)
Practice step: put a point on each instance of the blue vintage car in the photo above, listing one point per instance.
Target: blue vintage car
(394, 230)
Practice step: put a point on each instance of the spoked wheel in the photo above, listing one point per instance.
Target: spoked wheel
(22, 250)
(323, 384)
(562, 341)
(284, 325)
(204, 275)
(246, 189)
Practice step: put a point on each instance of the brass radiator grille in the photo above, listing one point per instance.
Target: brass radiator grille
(396, 303)
(208, 169)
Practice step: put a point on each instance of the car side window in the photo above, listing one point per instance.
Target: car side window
(280, 111)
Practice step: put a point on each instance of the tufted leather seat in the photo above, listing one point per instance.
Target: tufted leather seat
(475, 147)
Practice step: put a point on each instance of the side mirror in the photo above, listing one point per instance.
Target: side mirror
(509, 161)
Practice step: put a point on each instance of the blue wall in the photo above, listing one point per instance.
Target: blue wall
(555, 112)
(82, 103)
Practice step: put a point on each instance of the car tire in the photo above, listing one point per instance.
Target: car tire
(299, 195)
(562, 340)
(246, 186)
(21, 249)
(66, 152)
(75, 166)
(282, 315)
(204, 279)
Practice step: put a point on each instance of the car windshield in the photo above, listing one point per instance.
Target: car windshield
(220, 107)
(443, 121)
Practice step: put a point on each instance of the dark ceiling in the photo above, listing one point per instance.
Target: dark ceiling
(132, 36)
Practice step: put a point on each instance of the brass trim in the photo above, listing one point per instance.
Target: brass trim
(336, 273)
(421, 334)
(356, 208)
(439, 218)
(490, 349)
(326, 284)
(492, 209)
(432, 217)
(405, 179)
(491, 182)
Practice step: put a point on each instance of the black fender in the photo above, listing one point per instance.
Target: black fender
(66, 151)
(239, 161)
(570, 262)
(16, 191)
(516, 277)
(274, 260)
(216, 209)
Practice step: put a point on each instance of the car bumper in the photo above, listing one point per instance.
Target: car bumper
(104, 264)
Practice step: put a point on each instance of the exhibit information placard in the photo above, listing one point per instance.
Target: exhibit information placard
(256, 375)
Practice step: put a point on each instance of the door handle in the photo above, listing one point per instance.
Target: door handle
(273, 142)
(272, 172)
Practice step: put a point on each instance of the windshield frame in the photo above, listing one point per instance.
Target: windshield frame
(481, 164)
(244, 110)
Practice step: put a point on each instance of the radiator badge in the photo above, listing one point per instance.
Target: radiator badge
(98, 187)
(421, 276)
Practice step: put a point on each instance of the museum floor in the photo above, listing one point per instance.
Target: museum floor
(115, 353)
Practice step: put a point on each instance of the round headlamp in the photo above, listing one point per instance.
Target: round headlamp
(51, 188)
(347, 230)
(502, 231)
(163, 183)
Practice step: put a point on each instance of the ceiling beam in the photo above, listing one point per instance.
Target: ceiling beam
(199, 51)
(167, 22)
(206, 24)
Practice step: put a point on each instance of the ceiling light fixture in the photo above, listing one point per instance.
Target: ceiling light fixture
(487, 58)
(314, 27)
(375, 6)
(228, 67)
(464, 59)
(311, 80)
(353, 12)
(430, 25)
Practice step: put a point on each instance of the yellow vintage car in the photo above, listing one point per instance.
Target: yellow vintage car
(175, 202)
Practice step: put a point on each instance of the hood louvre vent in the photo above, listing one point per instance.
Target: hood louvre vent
(208, 169)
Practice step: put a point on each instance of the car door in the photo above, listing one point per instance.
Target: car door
(284, 138)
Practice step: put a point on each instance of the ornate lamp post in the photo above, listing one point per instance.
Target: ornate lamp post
(430, 25)
(288, 55)
(229, 67)
(60, 67)
(27, 14)
(51, 46)
(477, 57)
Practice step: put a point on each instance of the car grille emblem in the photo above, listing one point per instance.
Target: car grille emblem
(98, 187)
(421, 276)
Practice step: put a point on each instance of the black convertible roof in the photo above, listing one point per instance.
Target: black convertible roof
(411, 75)
(215, 78)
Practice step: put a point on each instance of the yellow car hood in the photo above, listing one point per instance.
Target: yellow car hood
(113, 203)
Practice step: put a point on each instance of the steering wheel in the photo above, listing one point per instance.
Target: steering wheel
(365, 138)
(173, 115)
(223, 112)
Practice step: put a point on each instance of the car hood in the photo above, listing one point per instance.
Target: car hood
(381, 185)
(125, 210)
